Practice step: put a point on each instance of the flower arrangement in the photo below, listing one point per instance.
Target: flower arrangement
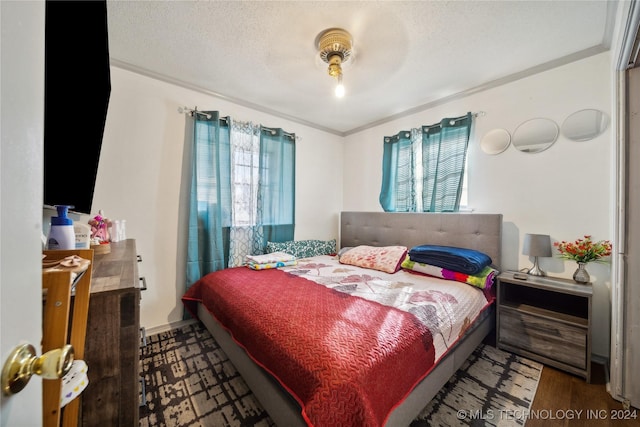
(584, 250)
(100, 229)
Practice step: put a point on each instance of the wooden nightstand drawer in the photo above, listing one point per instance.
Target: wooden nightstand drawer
(546, 319)
(547, 337)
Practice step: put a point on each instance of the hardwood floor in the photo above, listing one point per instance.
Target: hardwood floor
(566, 400)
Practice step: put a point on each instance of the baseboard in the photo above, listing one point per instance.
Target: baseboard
(169, 326)
(604, 361)
(600, 360)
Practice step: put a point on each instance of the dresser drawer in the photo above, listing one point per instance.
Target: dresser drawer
(544, 336)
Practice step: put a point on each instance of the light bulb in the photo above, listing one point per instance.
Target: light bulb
(339, 91)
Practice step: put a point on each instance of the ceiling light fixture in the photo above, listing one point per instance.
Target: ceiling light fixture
(335, 46)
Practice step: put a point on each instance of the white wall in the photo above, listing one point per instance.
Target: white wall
(140, 176)
(564, 191)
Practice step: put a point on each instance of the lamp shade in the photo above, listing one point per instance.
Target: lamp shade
(537, 245)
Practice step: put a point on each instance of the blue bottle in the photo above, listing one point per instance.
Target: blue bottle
(61, 233)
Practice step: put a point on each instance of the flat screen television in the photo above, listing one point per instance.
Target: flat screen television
(77, 90)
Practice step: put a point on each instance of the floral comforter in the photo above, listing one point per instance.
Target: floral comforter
(446, 308)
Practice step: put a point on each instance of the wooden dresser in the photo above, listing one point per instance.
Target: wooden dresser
(112, 349)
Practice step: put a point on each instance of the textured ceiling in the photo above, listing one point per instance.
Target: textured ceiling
(408, 55)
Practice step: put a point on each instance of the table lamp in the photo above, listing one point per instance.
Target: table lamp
(536, 245)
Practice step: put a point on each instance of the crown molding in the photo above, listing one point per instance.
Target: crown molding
(586, 53)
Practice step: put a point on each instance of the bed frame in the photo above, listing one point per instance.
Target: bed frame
(475, 231)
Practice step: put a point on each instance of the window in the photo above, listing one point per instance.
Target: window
(245, 161)
(242, 191)
(424, 169)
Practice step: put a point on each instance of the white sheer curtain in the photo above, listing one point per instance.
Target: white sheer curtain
(245, 156)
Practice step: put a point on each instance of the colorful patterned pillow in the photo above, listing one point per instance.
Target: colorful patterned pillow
(304, 248)
(384, 258)
(270, 265)
(482, 280)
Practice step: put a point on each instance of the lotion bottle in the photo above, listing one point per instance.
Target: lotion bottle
(83, 235)
(61, 234)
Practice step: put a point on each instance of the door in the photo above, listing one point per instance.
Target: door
(625, 292)
(21, 172)
(631, 320)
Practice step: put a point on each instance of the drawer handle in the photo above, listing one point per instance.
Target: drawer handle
(143, 397)
(144, 284)
(143, 335)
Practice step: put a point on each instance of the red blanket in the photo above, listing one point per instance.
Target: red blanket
(346, 360)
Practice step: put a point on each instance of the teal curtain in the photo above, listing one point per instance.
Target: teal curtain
(276, 186)
(444, 152)
(423, 169)
(398, 189)
(210, 197)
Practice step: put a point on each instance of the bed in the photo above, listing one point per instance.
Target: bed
(279, 380)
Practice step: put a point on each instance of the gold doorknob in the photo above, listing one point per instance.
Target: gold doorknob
(22, 363)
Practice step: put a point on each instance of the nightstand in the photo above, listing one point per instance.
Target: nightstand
(546, 319)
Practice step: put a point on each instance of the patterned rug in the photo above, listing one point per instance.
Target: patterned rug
(190, 382)
(492, 388)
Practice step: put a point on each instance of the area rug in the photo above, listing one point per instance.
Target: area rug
(492, 388)
(190, 382)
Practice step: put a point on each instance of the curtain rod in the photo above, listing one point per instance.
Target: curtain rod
(273, 132)
(192, 111)
(187, 110)
(478, 114)
(455, 119)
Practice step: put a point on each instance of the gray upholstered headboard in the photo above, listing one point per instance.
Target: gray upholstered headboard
(482, 232)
